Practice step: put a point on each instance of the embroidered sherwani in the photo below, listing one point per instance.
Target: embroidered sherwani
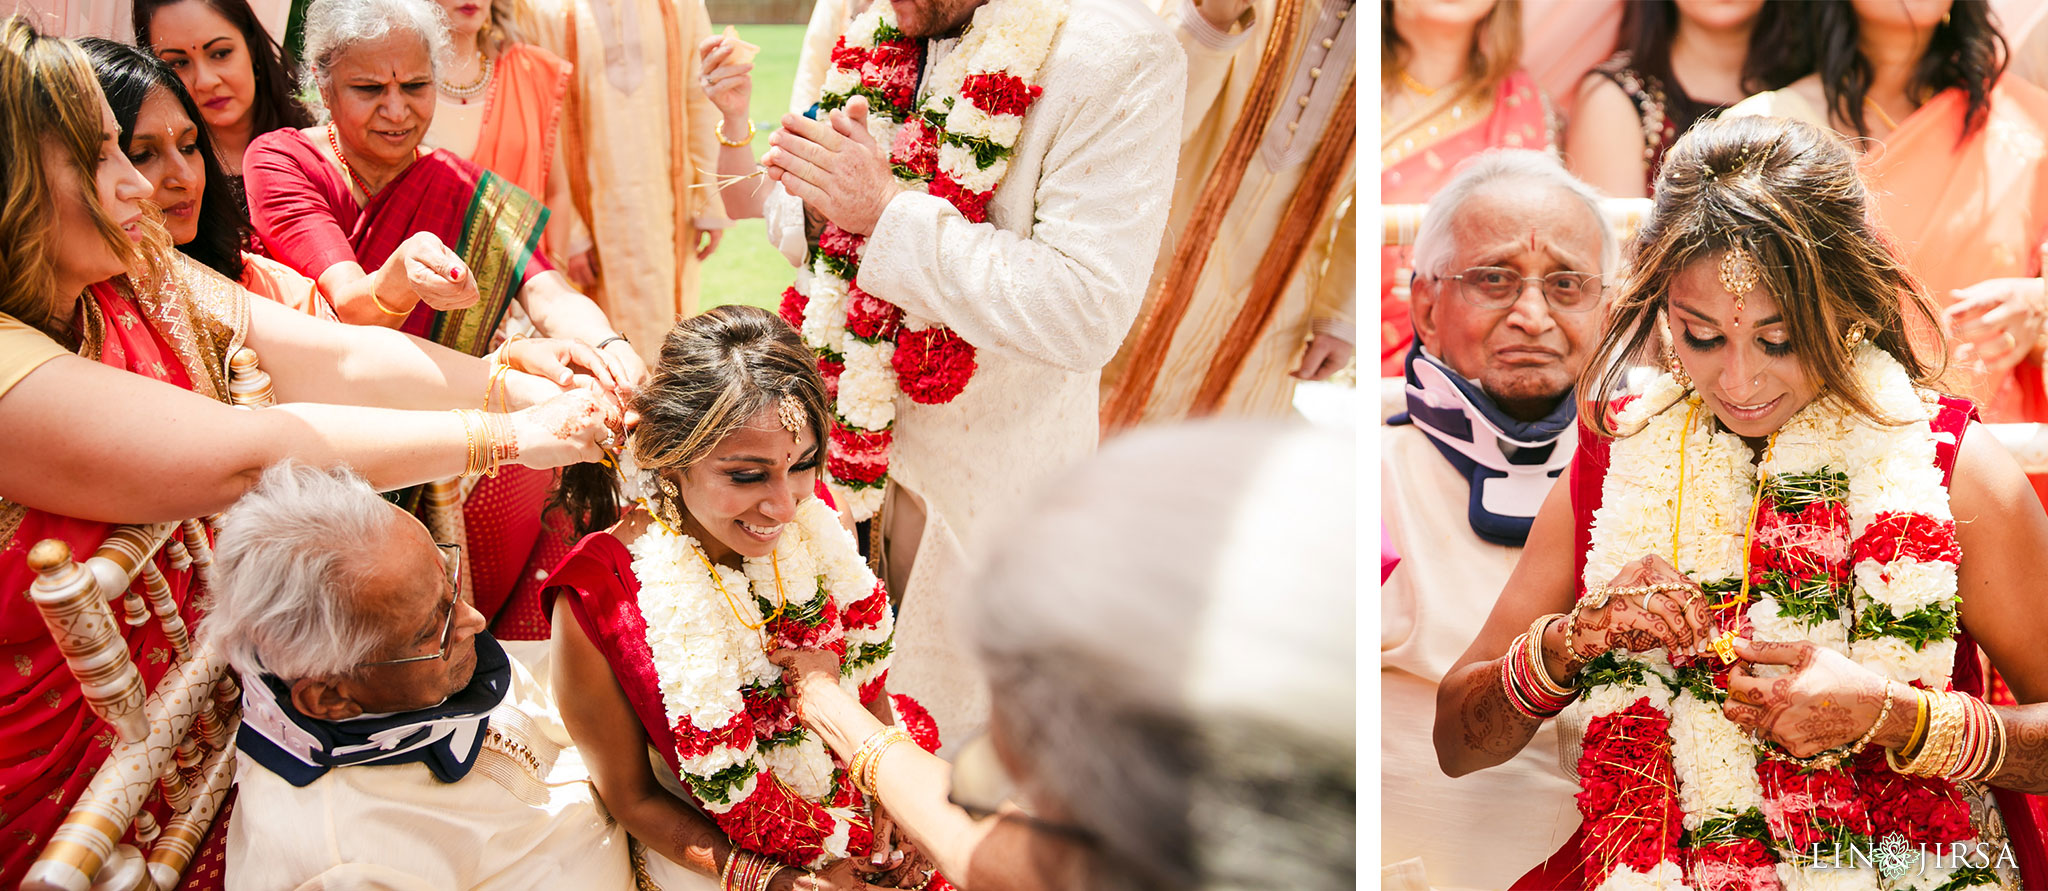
(1322, 293)
(1045, 291)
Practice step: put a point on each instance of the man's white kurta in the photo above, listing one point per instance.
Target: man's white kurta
(396, 826)
(1485, 829)
(1045, 291)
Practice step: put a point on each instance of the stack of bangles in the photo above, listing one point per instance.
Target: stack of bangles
(499, 366)
(867, 759)
(1527, 682)
(1955, 735)
(747, 871)
(490, 443)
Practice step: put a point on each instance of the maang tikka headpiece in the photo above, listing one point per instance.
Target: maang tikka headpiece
(1739, 273)
(791, 413)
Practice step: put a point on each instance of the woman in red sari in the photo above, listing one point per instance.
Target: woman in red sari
(664, 620)
(358, 193)
(1792, 477)
(1451, 86)
(113, 376)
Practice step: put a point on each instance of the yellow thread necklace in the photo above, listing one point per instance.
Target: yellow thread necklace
(1724, 645)
(781, 596)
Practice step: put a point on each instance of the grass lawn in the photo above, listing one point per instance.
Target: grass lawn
(746, 268)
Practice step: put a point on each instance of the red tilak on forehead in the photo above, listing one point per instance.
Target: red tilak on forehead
(1532, 239)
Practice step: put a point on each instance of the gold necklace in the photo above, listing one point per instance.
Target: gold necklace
(781, 596)
(1887, 119)
(1408, 81)
(474, 88)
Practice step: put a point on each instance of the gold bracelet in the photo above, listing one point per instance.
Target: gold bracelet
(1944, 736)
(1542, 672)
(718, 130)
(469, 436)
(869, 755)
(387, 310)
(1919, 736)
(1999, 740)
(491, 386)
(769, 875)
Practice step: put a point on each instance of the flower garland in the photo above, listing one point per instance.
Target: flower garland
(956, 145)
(772, 785)
(1673, 794)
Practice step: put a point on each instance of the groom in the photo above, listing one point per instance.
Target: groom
(1041, 274)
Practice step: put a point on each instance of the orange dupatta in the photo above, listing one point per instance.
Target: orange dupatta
(517, 139)
(1965, 212)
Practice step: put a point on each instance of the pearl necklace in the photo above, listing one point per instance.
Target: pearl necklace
(474, 88)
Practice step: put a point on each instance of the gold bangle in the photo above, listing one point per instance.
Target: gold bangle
(718, 130)
(387, 310)
(869, 755)
(1919, 736)
(1542, 672)
(469, 437)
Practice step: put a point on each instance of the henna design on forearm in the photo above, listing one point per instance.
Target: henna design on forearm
(2026, 754)
(1492, 726)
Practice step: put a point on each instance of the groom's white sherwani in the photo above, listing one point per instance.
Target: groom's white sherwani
(1045, 291)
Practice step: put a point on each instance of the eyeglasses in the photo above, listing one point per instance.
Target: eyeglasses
(1491, 287)
(451, 560)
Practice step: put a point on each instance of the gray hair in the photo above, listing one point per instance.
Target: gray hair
(333, 27)
(291, 560)
(1434, 244)
(1168, 637)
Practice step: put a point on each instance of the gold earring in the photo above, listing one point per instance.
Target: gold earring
(1677, 369)
(1854, 336)
(668, 486)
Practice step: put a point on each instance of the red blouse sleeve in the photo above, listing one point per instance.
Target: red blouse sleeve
(298, 204)
(604, 595)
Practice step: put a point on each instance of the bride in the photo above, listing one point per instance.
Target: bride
(1790, 477)
(663, 623)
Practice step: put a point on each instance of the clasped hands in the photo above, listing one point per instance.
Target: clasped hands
(835, 166)
(1823, 702)
(1997, 322)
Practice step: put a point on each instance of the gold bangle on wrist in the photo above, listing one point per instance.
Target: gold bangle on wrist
(385, 309)
(868, 757)
(718, 130)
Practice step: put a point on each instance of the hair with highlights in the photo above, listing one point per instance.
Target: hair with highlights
(1789, 193)
(48, 98)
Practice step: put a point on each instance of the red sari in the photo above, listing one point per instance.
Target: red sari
(306, 217)
(2023, 818)
(51, 742)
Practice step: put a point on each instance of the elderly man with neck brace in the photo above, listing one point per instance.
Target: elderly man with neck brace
(387, 741)
(1507, 303)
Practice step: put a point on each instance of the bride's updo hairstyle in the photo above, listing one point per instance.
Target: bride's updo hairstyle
(717, 371)
(1789, 192)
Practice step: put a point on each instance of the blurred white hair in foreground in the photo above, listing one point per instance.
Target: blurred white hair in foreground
(1169, 635)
